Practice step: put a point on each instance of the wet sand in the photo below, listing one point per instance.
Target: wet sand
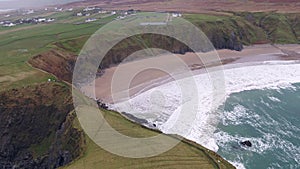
(131, 78)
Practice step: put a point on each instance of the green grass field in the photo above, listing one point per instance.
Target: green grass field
(185, 155)
(18, 44)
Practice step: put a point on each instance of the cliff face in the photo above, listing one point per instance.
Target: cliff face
(36, 128)
(58, 62)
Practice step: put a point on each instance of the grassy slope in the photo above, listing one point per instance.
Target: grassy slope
(184, 155)
(251, 28)
(16, 47)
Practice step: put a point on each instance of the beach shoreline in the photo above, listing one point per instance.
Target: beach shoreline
(152, 77)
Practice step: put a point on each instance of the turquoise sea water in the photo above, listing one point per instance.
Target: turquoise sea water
(270, 119)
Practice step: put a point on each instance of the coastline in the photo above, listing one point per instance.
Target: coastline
(274, 64)
(151, 78)
(251, 56)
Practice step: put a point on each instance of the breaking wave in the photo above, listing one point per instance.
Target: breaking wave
(163, 105)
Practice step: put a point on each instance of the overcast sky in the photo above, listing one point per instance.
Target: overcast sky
(13, 4)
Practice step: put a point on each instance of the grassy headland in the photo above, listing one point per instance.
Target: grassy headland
(46, 45)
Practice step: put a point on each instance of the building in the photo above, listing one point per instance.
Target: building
(58, 9)
(175, 15)
(9, 25)
(89, 9)
(30, 12)
(50, 20)
(90, 20)
(102, 12)
(41, 20)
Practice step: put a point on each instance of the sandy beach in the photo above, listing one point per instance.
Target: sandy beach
(131, 78)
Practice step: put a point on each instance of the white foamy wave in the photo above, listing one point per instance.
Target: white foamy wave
(274, 99)
(238, 165)
(268, 142)
(165, 111)
(237, 116)
(260, 144)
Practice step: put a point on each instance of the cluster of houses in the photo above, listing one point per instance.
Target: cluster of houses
(88, 11)
(124, 14)
(176, 14)
(91, 10)
(55, 9)
(26, 21)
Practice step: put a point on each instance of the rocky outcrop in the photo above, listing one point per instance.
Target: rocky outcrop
(246, 143)
(36, 128)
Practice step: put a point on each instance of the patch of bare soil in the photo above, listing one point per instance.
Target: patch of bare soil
(56, 62)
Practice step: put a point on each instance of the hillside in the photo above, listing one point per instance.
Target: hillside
(231, 31)
(196, 6)
(186, 154)
(37, 128)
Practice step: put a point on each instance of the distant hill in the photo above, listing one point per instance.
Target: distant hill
(196, 6)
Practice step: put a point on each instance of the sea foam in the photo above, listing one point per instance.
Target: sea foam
(164, 105)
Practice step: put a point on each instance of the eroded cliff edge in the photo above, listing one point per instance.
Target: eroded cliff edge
(37, 127)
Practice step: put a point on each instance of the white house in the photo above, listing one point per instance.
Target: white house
(41, 19)
(58, 9)
(9, 25)
(90, 20)
(89, 9)
(30, 11)
(175, 15)
(79, 14)
(121, 17)
(113, 12)
(50, 20)
(102, 12)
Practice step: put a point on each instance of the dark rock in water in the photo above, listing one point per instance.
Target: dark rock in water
(102, 105)
(246, 143)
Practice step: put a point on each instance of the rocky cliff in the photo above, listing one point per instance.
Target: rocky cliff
(37, 129)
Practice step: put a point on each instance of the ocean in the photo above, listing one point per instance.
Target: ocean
(270, 119)
(261, 104)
